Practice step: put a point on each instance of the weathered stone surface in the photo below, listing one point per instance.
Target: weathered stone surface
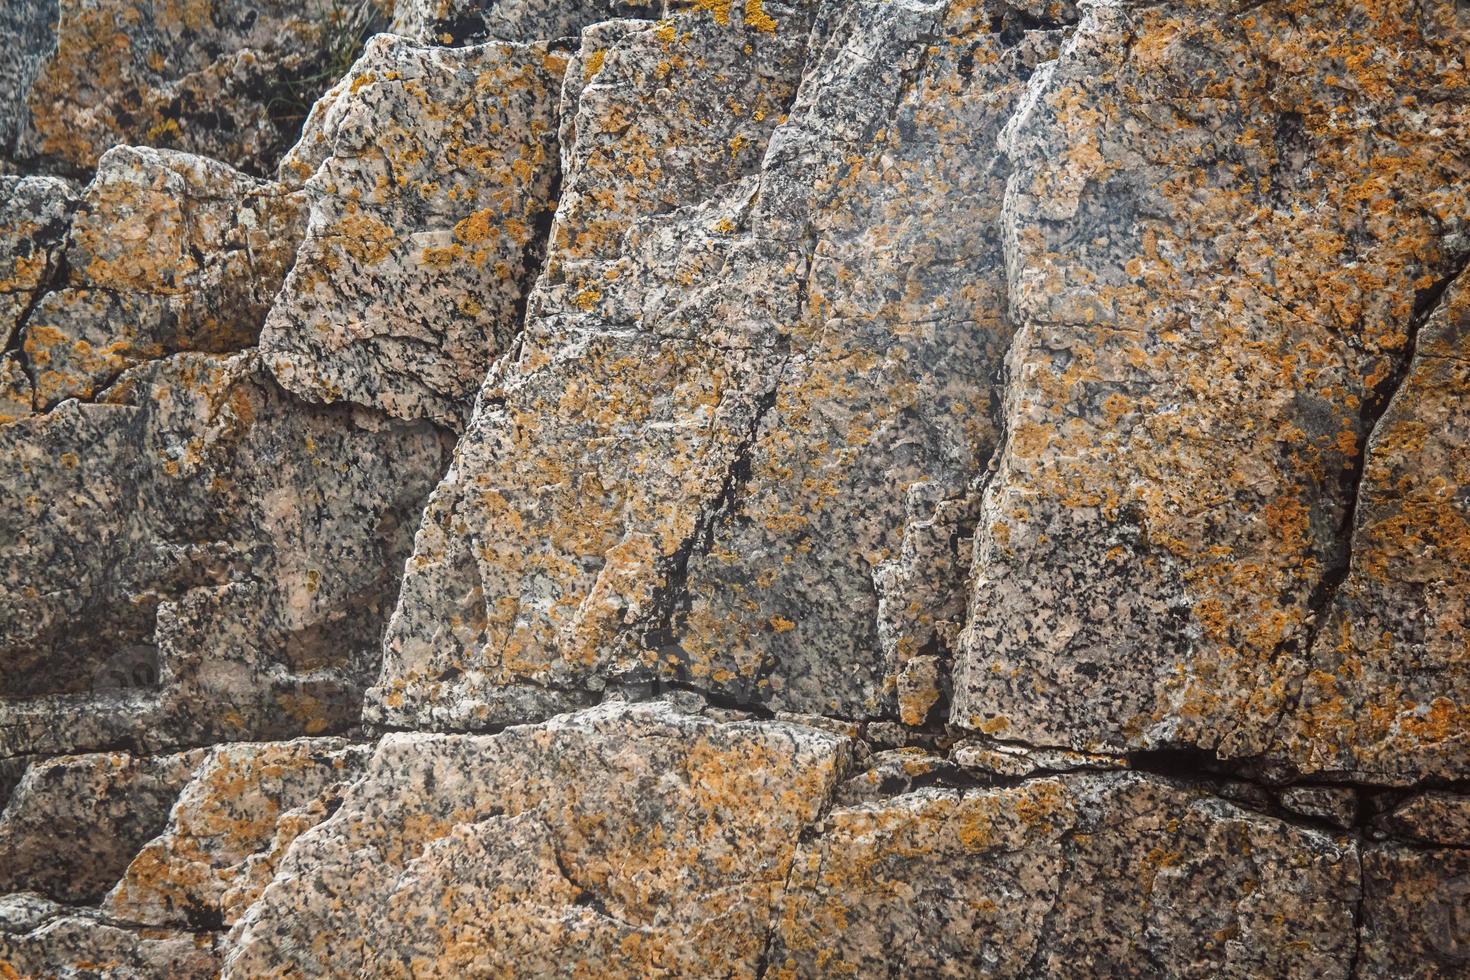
(891, 772)
(946, 488)
(198, 556)
(72, 823)
(461, 21)
(167, 252)
(428, 204)
(26, 30)
(17, 398)
(757, 409)
(1338, 805)
(527, 556)
(231, 79)
(1220, 224)
(832, 580)
(1387, 695)
(82, 945)
(1018, 760)
(481, 855)
(34, 212)
(245, 805)
(1110, 875)
(1436, 817)
(1416, 913)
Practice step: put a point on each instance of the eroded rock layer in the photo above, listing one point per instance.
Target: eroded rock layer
(742, 488)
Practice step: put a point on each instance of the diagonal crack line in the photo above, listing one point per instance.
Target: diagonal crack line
(1374, 409)
(671, 599)
(778, 908)
(57, 272)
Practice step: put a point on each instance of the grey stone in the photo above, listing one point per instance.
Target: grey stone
(228, 78)
(428, 209)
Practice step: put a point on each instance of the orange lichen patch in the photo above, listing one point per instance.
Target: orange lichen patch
(364, 237)
(918, 691)
(133, 243)
(476, 228)
(720, 9)
(1030, 440)
(312, 713)
(468, 136)
(995, 725)
(593, 64)
(441, 256)
(756, 17)
(26, 271)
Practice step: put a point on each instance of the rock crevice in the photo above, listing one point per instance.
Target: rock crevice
(776, 488)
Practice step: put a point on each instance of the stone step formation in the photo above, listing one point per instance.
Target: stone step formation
(702, 488)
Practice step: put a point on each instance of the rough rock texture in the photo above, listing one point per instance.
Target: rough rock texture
(245, 805)
(33, 222)
(198, 556)
(1224, 228)
(1079, 876)
(460, 21)
(478, 854)
(166, 252)
(529, 564)
(1435, 818)
(39, 938)
(228, 78)
(741, 488)
(425, 225)
(751, 454)
(50, 845)
(1414, 912)
(1388, 692)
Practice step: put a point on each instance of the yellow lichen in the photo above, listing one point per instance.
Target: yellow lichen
(594, 64)
(756, 17)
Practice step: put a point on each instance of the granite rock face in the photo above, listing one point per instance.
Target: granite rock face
(454, 22)
(73, 854)
(1082, 875)
(743, 488)
(33, 220)
(752, 459)
(198, 556)
(226, 78)
(1387, 695)
(438, 169)
(464, 854)
(39, 938)
(1216, 277)
(166, 252)
(230, 825)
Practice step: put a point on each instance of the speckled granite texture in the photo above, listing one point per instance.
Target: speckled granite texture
(735, 488)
